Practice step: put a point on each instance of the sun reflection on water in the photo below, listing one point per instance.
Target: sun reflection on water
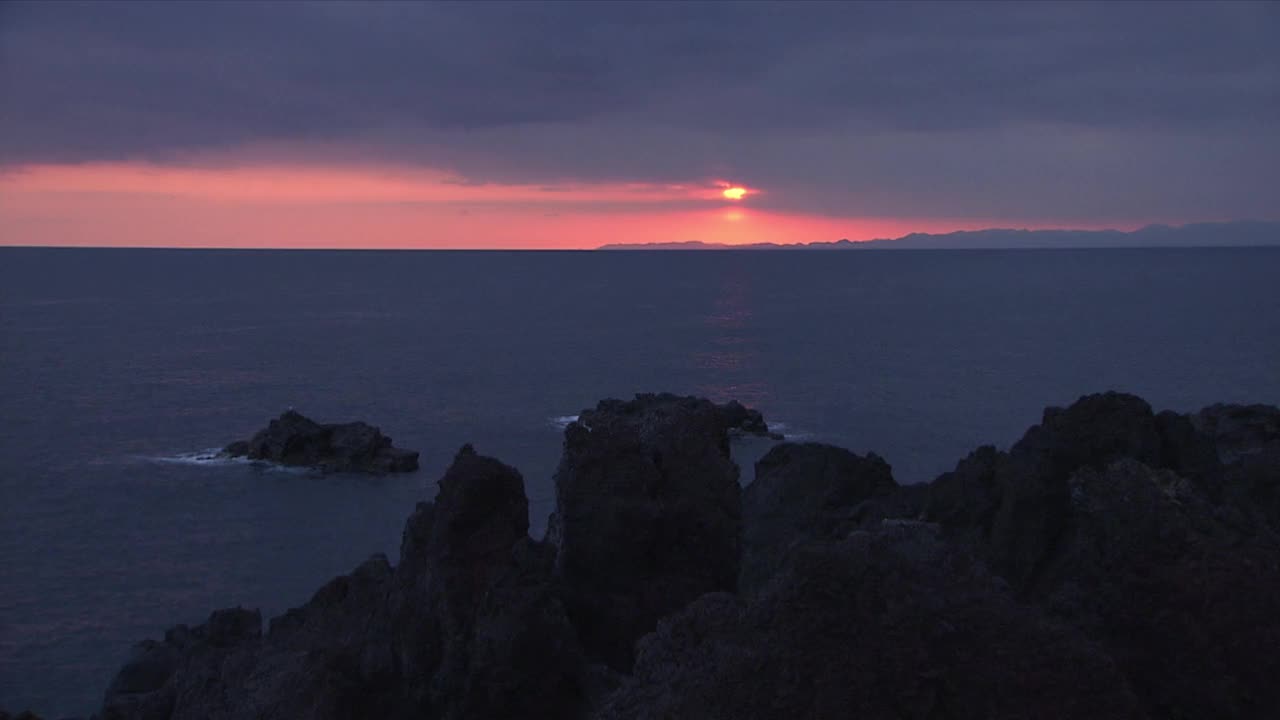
(730, 360)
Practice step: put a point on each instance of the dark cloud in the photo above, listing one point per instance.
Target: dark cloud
(836, 107)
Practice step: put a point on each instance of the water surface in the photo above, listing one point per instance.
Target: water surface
(117, 365)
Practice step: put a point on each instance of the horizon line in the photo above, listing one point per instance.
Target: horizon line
(881, 243)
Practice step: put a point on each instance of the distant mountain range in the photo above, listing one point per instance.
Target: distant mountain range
(1241, 233)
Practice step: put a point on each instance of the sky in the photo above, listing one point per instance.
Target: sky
(572, 125)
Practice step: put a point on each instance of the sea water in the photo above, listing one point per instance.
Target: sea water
(121, 371)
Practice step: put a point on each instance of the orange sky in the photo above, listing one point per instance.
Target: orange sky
(298, 206)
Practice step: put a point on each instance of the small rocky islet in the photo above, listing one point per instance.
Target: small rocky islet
(296, 440)
(1113, 563)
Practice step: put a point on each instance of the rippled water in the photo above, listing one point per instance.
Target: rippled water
(119, 368)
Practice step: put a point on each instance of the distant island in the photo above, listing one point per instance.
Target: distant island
(1242, 233)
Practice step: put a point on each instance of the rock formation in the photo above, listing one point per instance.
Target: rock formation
(648, 517)
(1113, 563)
(741, 419)
(293, 439)
(466, 625)
(891, 623)
(1239, 430)
(1124, 524)
(805, 492)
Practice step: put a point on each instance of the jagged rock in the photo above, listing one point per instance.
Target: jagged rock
(1094, 430)
(524, 659)
(887, 624)
(293, 439)
(1017, 502)
(505, 644)
(1185, 602)
(804, 492)
(150, 665)
(1251, 485)
(1107, 565)
(1246, 438)
(648, 517)
(151, 684)
(738, 417)
(1239, 430)
(467, 625)
(1186, 450)
(969, 496)
(905, 504)
(1124, 523)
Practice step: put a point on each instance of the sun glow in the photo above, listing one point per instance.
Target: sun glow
(282, 205)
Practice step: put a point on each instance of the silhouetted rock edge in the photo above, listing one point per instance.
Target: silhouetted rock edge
(1114, 562)
(294, 439)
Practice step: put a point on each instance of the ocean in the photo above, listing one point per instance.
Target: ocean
(121, 369)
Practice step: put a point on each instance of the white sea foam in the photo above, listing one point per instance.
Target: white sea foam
(787, 432)
(563, 421)
(213, 457)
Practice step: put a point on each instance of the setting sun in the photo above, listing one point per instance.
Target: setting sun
(734, 193)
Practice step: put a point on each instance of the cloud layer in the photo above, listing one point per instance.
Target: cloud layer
(1070, 112)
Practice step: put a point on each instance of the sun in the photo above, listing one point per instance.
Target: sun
(734, 193)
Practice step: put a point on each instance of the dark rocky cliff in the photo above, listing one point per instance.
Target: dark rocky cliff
(1113, 563)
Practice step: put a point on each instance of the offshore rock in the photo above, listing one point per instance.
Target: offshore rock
(648, 517)
(293, 439)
